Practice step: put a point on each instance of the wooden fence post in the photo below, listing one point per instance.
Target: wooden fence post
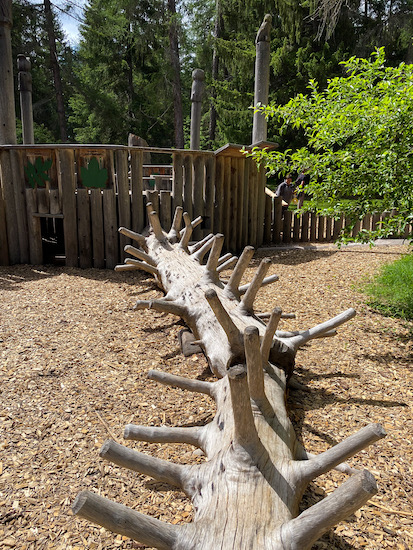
(304, 226)
(276, 237)
(165, 214)
(287, 226)
(177, 180)
(188, 184)
(10, 207)
(110, 223)
(219, 195)
(198, 192)
(124, 202)
(233, 226)
(67, 186)
(84, 230)
(136, 168)
(34, 229)
(98, 235)
(210, 194)
(268, 219)
(321, 228)
(296, 219)
(20, 202)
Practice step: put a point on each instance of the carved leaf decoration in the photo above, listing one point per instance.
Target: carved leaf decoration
(94, 175)
(37, 172)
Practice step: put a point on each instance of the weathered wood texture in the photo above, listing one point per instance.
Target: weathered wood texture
(224, 187)
(247, 493)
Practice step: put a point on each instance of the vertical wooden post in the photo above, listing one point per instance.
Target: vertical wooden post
(288, 215)
(136, 168)
(321, 228)
(98, 240)
(338, 224)
(304, 226)
(329, 224)
(10, 207)
(226, 222)
(7, 105)
(261, 183)
(34, 229)
(165, 214)
(188, 185)
(124, 203)
(209, 194)
(296, 218)
(313, 227)
(198, 77)
(111, 227)
(245, 210)
(277, 220)
(25, 89)
(240, 202)
(233, 205)
(67, 186)
(177, 180)
(219, 196)
(20, 202)
(4, 245)
(84, 230)
(198, 192)
(262, 78)
(268, 219)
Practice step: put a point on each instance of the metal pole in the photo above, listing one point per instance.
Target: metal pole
(198, 77)
(262, 78)
(25, 89)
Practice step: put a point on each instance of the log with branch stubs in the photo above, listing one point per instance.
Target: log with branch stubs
(247, 493)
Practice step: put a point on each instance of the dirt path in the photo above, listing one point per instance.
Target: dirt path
(73, 363)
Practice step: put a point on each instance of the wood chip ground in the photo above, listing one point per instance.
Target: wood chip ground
(74, 357)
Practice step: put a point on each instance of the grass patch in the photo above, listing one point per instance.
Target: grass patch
(391, 292)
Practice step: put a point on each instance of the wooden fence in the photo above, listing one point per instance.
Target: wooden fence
(90, 191)
(85, 193)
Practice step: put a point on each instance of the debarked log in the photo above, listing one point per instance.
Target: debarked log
(247, 492)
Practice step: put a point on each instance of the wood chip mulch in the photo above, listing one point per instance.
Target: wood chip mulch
(73, 362)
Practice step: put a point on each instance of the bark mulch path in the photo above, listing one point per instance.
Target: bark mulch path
(73, 362)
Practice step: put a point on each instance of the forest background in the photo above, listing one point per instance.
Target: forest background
(131, 70)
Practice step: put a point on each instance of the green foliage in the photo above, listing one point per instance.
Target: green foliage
(359, 139)
(93, 175)
(37, 172)
(391, 292)
(29, 37)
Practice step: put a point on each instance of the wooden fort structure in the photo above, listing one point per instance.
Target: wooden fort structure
(81, 194)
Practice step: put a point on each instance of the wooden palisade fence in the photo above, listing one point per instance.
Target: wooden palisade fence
(94, 189)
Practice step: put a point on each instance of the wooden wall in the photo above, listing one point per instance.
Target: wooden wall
(94, 190)
(58, 182)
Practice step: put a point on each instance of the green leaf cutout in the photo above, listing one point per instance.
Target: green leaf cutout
(37, 172)
(93, 175)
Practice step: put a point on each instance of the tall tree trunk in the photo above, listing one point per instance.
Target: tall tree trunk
(215, 68)
(176, 75)
(57, 79)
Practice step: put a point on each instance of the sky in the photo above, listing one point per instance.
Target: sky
(70, 22)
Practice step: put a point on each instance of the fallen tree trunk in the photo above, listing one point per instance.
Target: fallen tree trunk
(247, 493)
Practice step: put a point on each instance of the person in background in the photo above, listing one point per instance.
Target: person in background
(286, 191)
(300, 184)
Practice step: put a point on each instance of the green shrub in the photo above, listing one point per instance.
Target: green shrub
(391, 292)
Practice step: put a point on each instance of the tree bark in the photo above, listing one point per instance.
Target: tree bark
(54, 62)
(176, 75)
(247, 493)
